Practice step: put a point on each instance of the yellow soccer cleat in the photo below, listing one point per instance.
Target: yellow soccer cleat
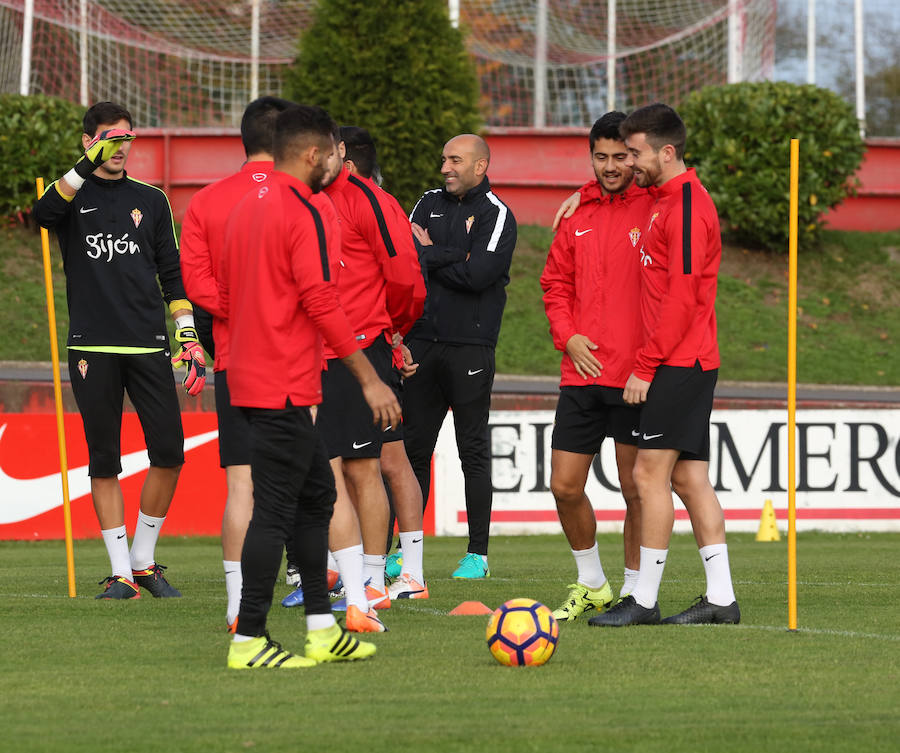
(264, 653)
(581, 599)
(336, 644)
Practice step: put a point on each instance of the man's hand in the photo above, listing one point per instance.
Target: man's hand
(579, 348)
(409, 367)
(383, 402)
(421, 234)
(101, 149)
(105, 145)
(566, 209)
(635, 391)
(191, 357)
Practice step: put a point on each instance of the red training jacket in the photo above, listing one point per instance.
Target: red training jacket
(203, 240)
(592, 281)
(680, 264)
(275, 288)
(381, 284)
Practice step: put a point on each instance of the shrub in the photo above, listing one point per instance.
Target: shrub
(39, 137)
(398, 69)
(739, 141)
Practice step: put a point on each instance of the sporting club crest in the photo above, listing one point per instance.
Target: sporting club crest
(82, 368)
(136, 216)
(469, 222)
(634, 235)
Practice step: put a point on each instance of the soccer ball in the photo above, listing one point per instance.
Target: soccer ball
(522, 632)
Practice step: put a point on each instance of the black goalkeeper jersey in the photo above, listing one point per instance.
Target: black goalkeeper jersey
(119, 249)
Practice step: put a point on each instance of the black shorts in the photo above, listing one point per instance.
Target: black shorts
(676, 414)
(586, 415)
(344, 418)
(99, 382)
(234, 429)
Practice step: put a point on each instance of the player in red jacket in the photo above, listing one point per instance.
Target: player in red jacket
(202, 245)
(591, 284)
(675, 372)
(275, 288)
(382, 291)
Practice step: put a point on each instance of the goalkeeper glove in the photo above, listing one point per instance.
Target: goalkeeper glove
(191, 357)
(102, 148)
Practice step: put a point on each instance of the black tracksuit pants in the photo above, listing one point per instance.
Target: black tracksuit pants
(460, 378)
(293, 493)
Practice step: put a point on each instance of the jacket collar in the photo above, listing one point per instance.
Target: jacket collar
(594, 192)
(471, 195)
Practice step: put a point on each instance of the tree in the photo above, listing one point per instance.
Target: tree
(739, 141)
(397, 68)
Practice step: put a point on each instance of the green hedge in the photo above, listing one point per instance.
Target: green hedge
(739, 141)
(398, 69)
(39, 137)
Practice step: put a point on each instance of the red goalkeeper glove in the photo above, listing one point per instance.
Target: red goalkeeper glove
(191, 357)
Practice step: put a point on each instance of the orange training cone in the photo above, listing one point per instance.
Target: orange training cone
(471, 607)
(768, 527)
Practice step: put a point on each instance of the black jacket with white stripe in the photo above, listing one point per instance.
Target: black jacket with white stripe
(467, 267)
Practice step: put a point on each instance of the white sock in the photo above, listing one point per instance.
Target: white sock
(590, 571)
(116, 541)
(373, 570)
(653, 562)
(143, 548)
(411, 546)
(719, 589)
(239, 638)
(233, 582)
(332, 562)
(319, 621)
(631, 578)
(350, 566)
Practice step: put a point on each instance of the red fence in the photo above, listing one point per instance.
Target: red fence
(532, 170)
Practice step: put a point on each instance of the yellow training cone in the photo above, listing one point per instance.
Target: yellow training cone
(768, 527)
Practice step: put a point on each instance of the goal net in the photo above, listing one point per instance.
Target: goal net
(540, 62)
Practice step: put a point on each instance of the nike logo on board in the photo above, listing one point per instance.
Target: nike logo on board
(24, 498)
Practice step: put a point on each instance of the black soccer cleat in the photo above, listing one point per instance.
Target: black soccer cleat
(701, 612)
(155, 582)
(117, 587)
(627, 612)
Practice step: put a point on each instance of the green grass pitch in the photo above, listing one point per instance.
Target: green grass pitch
(82, 675)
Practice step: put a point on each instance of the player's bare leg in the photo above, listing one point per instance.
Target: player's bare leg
(235, 519)
(690, 480)
(366, 489)
(345, 543)
(408, 507)
(156, 496)
(631, 536)
(568, 476)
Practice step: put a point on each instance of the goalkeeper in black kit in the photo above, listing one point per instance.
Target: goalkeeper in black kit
(119, 250)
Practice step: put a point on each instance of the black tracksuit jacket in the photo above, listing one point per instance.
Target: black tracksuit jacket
(117, 239)
(467, 268)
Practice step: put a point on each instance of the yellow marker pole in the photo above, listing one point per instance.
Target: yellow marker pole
(792, 388)
(57, 392)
